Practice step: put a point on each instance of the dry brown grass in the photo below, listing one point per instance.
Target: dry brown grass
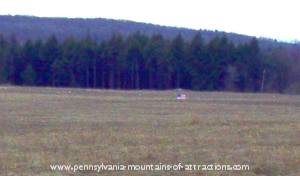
(43, 126)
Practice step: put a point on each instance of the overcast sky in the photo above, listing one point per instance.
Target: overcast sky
(277, 19)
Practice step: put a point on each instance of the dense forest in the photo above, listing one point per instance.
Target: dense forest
(139, 61)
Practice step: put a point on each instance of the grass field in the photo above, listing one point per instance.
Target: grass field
(44, 126)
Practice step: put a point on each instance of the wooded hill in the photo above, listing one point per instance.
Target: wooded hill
(99, 53)
(30, 27)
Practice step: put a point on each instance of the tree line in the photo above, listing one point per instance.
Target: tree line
(139, 61)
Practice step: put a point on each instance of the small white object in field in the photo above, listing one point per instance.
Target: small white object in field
(181, 96)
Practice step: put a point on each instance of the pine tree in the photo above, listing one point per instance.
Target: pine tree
(50, 52)
(134, 58)
(28, 76)
(176, 57)
(61, 72)
(196, 63)
(3, 60)
(157, 71)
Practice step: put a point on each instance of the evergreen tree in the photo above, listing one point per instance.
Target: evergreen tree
(70, 54)
(196, 63)
(61, 72)
(3, 60)
(255, 65)
(50, 51)
(176, 57)
(134, 58)
(28, 76)
(114, 57)
(157, 73)
(14, 62)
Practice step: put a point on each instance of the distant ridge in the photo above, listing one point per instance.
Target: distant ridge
(31, 27)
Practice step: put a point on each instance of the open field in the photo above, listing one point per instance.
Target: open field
(44, 126)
